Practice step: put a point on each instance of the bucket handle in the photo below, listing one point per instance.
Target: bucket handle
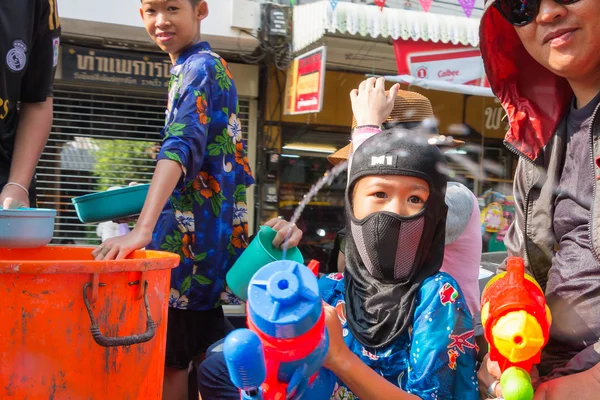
(125, 340)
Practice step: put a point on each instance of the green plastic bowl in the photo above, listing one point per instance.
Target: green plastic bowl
(111, 205)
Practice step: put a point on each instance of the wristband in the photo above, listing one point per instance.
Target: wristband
(368, 126)
(361, 134)
(17, 185)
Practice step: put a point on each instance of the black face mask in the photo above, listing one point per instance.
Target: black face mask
(387, 243)
(388, 256)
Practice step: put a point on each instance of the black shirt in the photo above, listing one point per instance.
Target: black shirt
(29, 45)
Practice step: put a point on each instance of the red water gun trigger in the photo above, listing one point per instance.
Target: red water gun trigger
(314, 266)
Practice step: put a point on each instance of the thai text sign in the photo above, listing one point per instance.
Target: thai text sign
(120, 68)
(305, 83)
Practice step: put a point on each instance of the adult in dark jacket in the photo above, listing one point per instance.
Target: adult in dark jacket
(542, 58)
(29, 46)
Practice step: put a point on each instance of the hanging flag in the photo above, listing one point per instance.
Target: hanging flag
(467, 6)
(426, 4)
(380, 3)
(333, 4)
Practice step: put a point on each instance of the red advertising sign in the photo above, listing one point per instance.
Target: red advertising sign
(440, 62)
(305, 83)
(456, 66)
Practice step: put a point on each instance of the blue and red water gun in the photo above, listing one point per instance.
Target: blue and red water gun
(281, 355)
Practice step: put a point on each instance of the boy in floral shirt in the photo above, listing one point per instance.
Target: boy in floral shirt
(196, 205)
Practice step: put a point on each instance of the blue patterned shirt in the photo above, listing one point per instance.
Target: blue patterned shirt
(205, 220)
(435, 359)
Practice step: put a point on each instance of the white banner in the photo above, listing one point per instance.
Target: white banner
(462, 67)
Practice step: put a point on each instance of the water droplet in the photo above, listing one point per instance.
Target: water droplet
(458, 129)
(325, 180)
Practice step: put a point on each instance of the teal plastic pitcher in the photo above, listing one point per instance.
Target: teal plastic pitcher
(259, 253)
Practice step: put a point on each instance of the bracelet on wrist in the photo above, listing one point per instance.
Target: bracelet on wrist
(368, 127)
(19, 186)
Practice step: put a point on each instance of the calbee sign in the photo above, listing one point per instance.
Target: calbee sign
(463, 67)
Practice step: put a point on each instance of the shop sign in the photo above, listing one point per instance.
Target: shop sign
(447, 62)
(487, 116)
(111, 67)
(463, 67)
(306, 83)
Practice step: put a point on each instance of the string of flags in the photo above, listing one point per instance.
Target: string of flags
(467, 5)
(380, 4)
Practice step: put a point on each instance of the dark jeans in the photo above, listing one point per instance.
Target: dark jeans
(213, 376)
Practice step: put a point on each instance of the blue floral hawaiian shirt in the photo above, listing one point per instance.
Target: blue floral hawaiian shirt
(435, 359)
(205, 220)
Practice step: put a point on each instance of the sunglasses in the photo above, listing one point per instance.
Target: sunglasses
(522, 12)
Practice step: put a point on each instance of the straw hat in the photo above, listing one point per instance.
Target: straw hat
(409, 108)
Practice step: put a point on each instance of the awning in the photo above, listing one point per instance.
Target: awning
(312, 21)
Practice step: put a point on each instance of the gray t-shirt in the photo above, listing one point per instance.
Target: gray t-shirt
(573, 289)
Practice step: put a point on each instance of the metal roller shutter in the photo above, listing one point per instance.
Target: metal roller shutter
(100, 138)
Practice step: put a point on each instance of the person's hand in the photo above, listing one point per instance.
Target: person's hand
(370, 104)
(582, 386)
(490, 372)
(13, 197)
(285, 230)
(487, 375)
(120, 247)
(337, 347)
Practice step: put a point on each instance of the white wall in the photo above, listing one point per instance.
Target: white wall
(120, 20)
(125, 12)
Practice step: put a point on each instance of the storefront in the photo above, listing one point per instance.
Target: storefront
(298, 146)
(109, 108)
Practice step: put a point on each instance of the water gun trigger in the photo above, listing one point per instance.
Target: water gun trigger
(298, 384)
(314, 267)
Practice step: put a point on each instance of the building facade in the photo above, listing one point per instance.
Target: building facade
(110, 99)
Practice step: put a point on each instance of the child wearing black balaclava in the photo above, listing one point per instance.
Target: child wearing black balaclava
(400, 316)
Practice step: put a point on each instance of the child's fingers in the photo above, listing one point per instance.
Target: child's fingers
(278, 224)
(295, 238)
(271, 223)
(353, 94)
(112, 254)
(279, 238)
(99, 253)
(123, 252)
(282, 233)
(394, 92)
(287, 233)
(96, 251)
(362, 86)
(380, 84)
(370, 85)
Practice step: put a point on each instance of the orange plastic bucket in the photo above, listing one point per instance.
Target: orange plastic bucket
(75, 328)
